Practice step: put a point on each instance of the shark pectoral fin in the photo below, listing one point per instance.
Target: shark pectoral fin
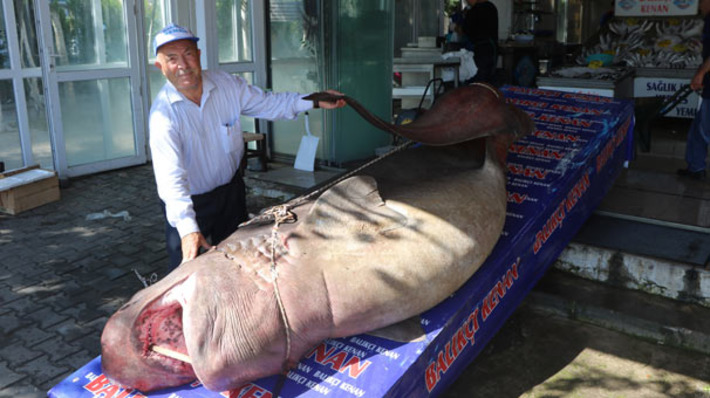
(324, 96)
(408, 331)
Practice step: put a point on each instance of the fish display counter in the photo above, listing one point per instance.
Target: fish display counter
(653, 55)
(615, 82)
(556, 177)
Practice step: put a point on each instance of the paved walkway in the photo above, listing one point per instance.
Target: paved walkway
(62, 276)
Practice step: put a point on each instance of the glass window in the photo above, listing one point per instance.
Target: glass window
(154, 20)
(10, 149)
(97, 119)
(27, 34)
(429, 18)
(115, 37)
(33, 111)
(362, 65)
(404, 23)
(295, 38)
(248, 123)
(37, 118)
(156, 79)
(4, 54)
(234, 30)
(87, 35)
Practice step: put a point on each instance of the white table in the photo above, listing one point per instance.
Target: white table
(422, 65)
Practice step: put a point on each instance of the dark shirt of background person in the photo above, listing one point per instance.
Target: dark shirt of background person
(481, 23)
(706, 53)
(481, 28)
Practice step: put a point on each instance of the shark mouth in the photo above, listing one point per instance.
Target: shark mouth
(159, 329)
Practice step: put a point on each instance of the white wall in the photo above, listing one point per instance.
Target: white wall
(505, 17)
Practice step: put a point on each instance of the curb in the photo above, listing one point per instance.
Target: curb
(671, 279)
(614, 306)
(658, 333)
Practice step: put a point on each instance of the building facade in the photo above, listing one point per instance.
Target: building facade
(77, 76)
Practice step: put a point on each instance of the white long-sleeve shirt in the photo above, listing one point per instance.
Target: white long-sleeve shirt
(195, 148)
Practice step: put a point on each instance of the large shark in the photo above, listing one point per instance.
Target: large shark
(371, 251)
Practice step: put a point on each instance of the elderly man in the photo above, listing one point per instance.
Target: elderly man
(197, 145)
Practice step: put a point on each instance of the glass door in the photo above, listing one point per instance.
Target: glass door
(241, 49)
(91, 74)
(297, 37)
(24, 133)
(232, 39)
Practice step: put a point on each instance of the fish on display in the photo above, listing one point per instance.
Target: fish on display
(649, 43)
(371, 251)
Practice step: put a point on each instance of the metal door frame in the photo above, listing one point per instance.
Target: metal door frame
(17, 75)
(51, 79)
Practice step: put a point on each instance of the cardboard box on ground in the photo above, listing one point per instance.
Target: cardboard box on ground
(26, 188)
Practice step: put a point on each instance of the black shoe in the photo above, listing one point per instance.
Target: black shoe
(696, 175)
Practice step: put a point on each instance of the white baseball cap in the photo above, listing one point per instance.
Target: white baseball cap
(172, 33)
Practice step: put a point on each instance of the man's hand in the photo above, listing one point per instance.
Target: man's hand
(332, 105)
(697, 82)
(191, 244)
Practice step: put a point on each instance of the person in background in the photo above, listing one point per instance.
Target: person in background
(456, 38)
(481, 28)
(696, 149)
(197, 145)
(607, 16)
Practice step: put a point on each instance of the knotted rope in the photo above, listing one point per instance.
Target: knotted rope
(281, 214)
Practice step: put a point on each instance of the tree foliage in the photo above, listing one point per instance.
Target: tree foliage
(77, 29)
(452, 6)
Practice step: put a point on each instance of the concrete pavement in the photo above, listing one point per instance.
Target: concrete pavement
(62, 275)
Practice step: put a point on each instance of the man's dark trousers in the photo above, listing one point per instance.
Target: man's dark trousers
(219, 212)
